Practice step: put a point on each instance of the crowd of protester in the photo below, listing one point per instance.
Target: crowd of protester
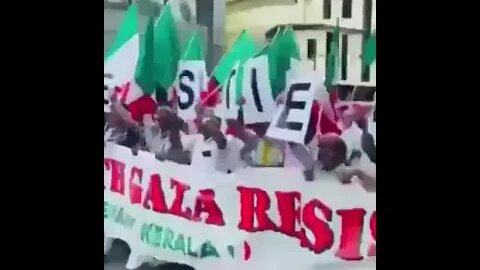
(348, 152)
(211, 144)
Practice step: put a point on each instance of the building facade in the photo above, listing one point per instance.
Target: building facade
(208, 18)
(313, 22)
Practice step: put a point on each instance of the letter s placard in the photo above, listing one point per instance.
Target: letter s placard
(190, 82)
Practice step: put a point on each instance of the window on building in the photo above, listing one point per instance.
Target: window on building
(327, 46)
(312, 51)
(344, 57)
(327, 9)
(347, 8)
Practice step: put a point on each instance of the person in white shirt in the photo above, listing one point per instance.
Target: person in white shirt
(211, 150)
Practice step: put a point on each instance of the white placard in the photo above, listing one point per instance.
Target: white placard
(228, 109)
(192, 79)
(259, 102)
(290, 122)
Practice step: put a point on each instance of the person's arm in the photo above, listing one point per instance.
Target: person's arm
(149, 130)
(354, 155)
(122, 113)
(250, 140)
(219, 139)
(368, 182)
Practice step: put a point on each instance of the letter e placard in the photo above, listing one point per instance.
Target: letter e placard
(291, 119)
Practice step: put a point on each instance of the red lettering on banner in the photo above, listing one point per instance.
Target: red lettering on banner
(136, 189)
(254, 202)
(289, 208)
(320, 229)
(155, 195)
(117, 184)
(372, 249)
(351, 234)
(205, 203)
(295, 218)
(176, 208)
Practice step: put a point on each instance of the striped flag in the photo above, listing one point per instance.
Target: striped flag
(121, 60)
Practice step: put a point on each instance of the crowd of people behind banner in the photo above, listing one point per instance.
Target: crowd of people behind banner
(347, 151)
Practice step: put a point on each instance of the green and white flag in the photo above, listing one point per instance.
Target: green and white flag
(121, 60)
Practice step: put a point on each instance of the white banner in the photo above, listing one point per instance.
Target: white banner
(290, 122)
(259, 102)
(192, 79)
(255, 218)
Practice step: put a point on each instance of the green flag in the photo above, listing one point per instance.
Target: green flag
(242, 49)
(145, 72)
(333, 59)
(167, 50)
(280, 51)
(289, 42)
(369, 54)
(194, 50)
(128, 29)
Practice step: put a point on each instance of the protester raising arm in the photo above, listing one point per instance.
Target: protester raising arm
(122, 114)
(249, 139)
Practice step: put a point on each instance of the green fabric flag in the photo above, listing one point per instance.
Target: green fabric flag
(290, 43)
(370, 50)
(280, 51)
(128, 29)
(167, 49)
(333, 60)
(145, 71)
(243, 49)
(194, 50)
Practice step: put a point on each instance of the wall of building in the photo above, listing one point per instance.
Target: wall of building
(258, 16)
(314, 13)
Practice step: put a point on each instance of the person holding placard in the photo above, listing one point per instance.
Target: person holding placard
(163, 135)
(210, 150)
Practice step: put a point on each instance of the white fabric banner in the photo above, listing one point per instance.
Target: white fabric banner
(192, 79)
(255, 218)
(259, 102)
(290, 122)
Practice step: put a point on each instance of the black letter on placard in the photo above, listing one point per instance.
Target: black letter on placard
(229, 82)
(256, 96)
(293, 105)
(186, 89)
